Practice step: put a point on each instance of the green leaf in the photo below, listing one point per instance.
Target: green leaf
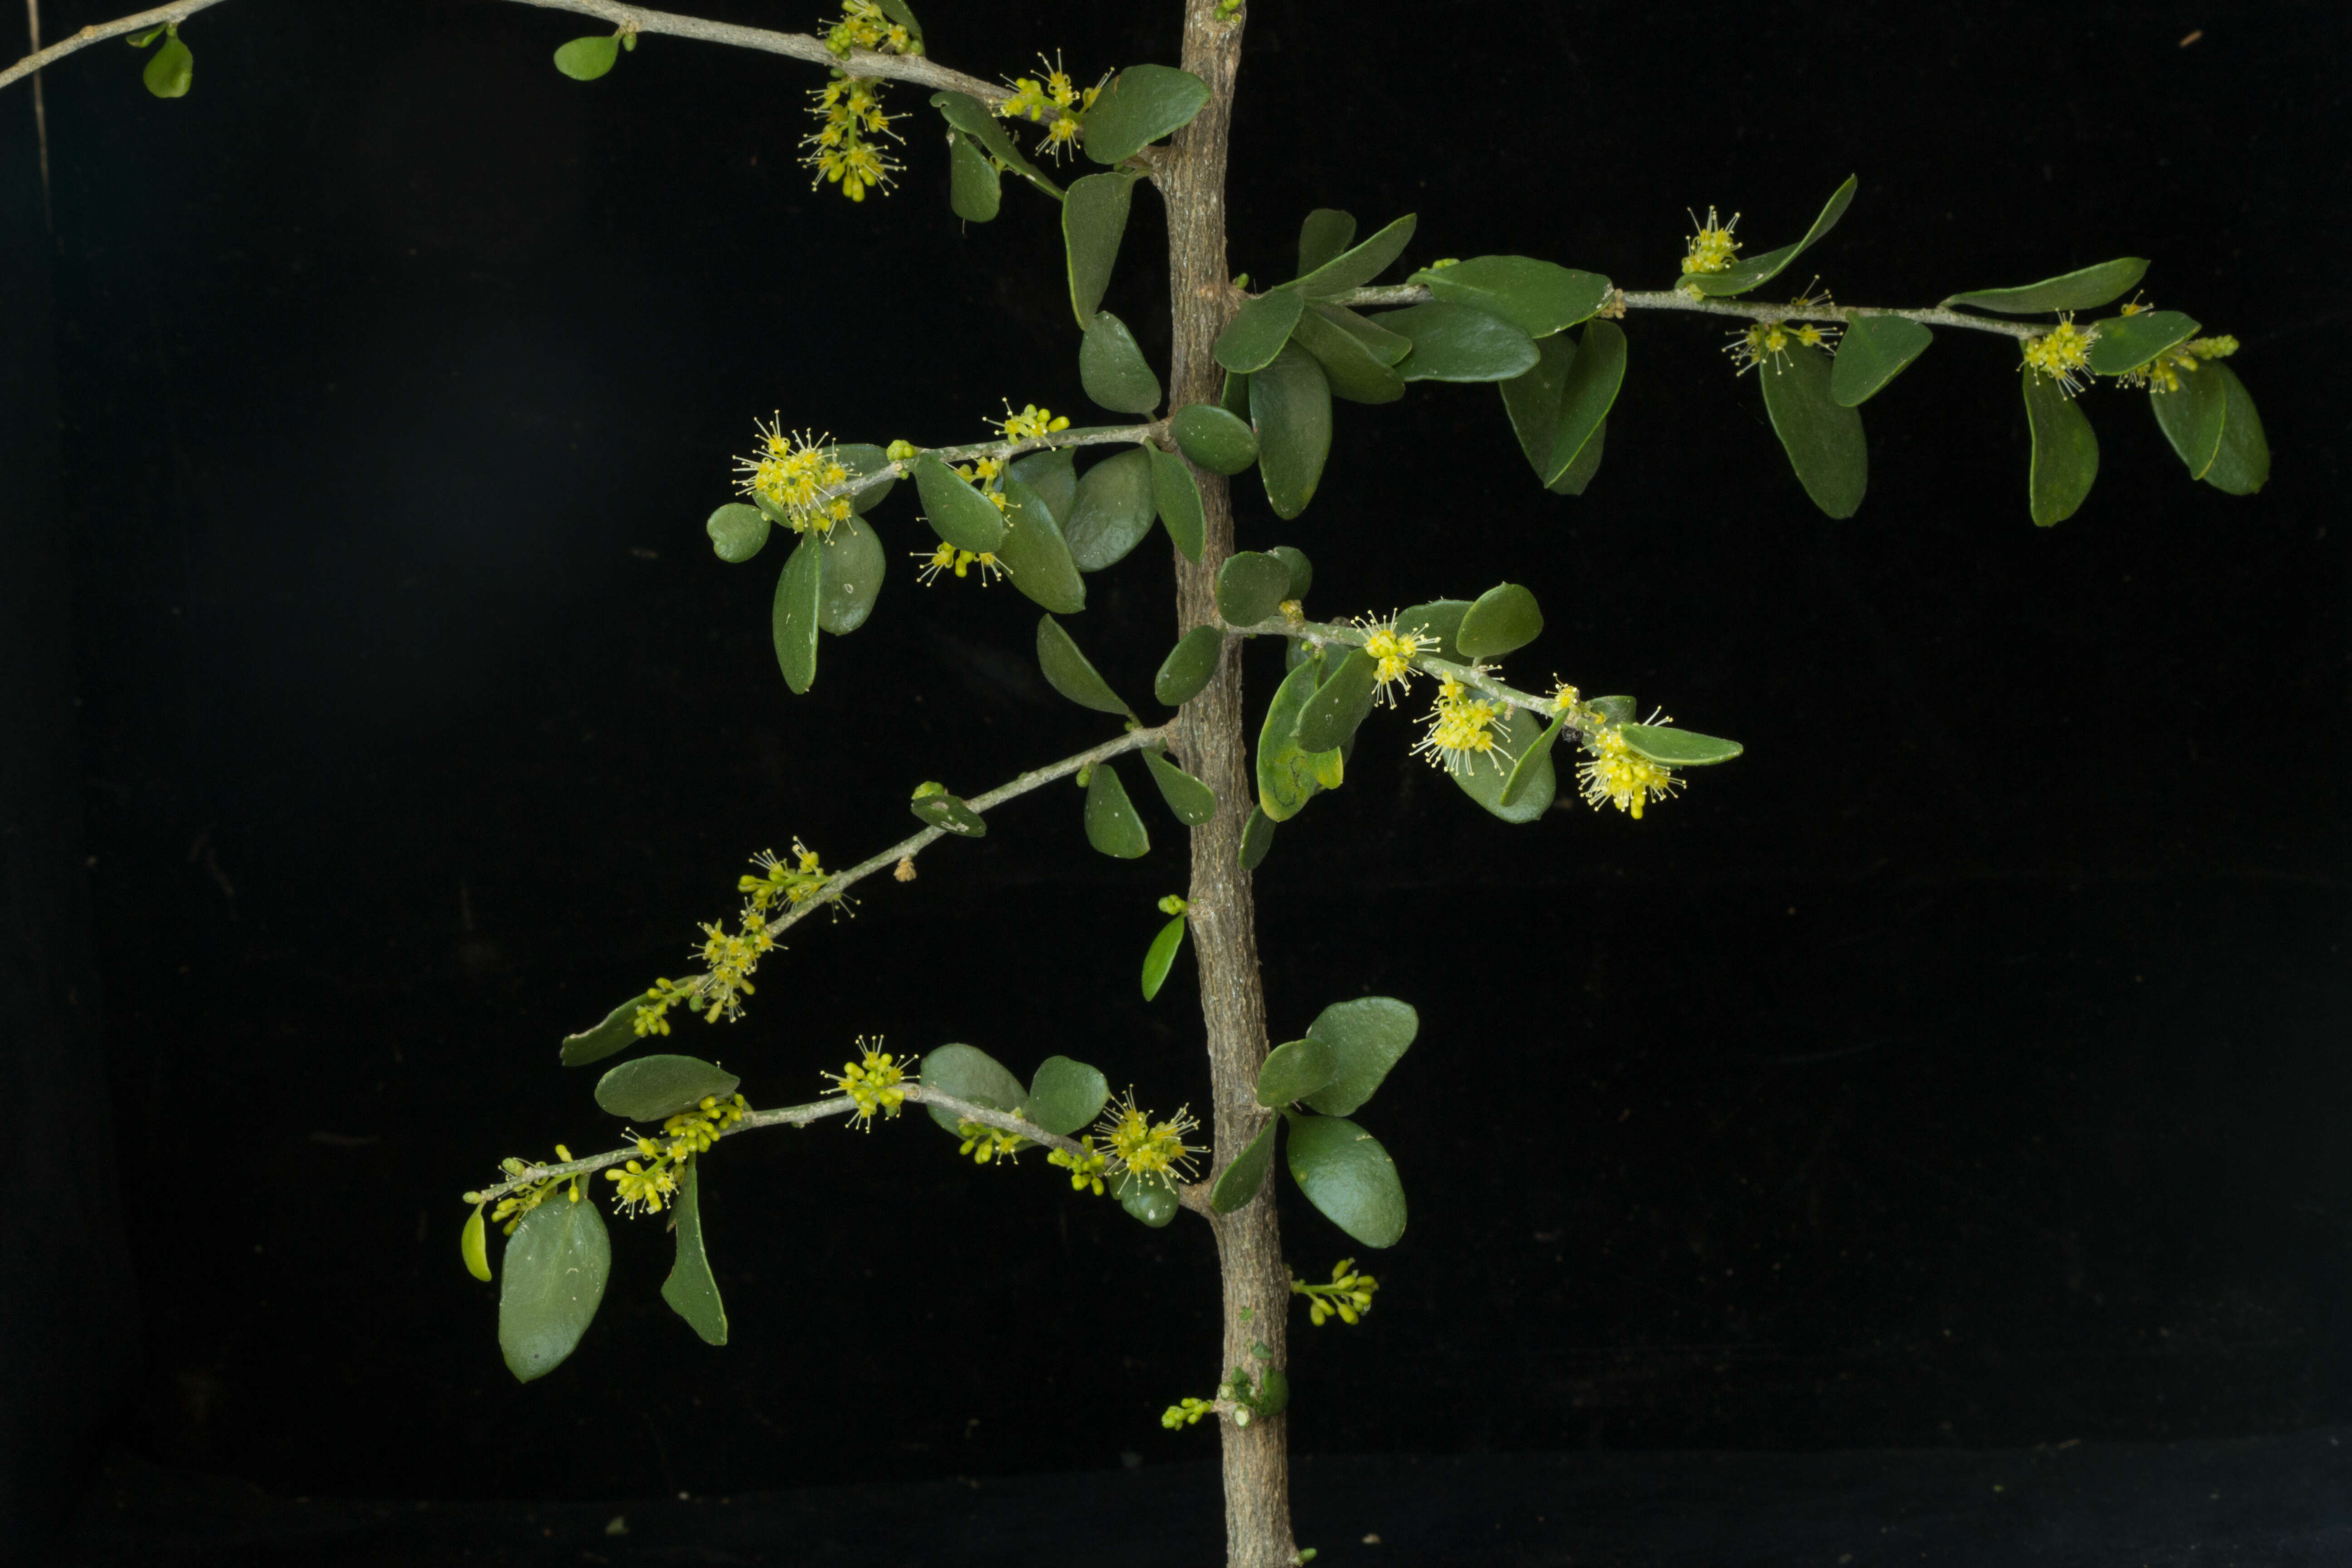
(473, 1246)
(1257, 333)
(1233, 396)
(1053, 474)
(1368, 1037)
(1579, 474)
(1112, 826)
(793, 619)
(1036, 557)
(652, 1087)
(2124, 343)
(1189, 666)
(975, 190)
(1340, 705)
(581, 60)
(1112, 368)
(957, 512)
(1176, 496)
(1823, 436)
(1326, 233)
(1679, 747)
(1214, 438)
(1440, 618)
(933, 805)
(1094, 220)
(1302, 571)
(1351, 269)
(1539, 298)
(900, 13)
(1354, 371)
(1742, 276)
(1874, 351)
(1531, 399)
(1588, 390)
(1240, 1182)
(1485, 779)
(1295, 1070)
(2243, 465)
(1258, 839)
(1194, 802)
(1071, 673)
(1503, 618)
(1152, 1203)
(1288, 775)
(737, 531)
(969, 1073)
(2065, 450)
(1290, 404)
(556, 1265)
(1382, 344)
(1616, 709)
(970, 116)
(2082, 289)
(861, 459)
(1251, 586)
(1161, 957)
(692, 1290)
(1458, 342)
(141, 40)
(1344, 1172)
(2192, 418)
(1535, 760)
(171, 69)
(616, 1034)
(1141, 104)
(1066, 1095)
(1112, 510)
(849, 578)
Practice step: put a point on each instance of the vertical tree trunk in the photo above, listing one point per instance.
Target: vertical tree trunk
(1215, 745)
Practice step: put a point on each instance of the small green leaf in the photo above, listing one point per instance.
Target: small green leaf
(1295, 1070)
(171, 69)
(1112, 826)
(1188, 667)
(1094, 220)
(1382, 344)
(652, 1087)
(1326, 233)
(1440, 618)
(851, 566)
(1151, 1202)
(1345, 1173)
(1257, 333)
(898, 11)
(1355, 372)
(1679, 747)
(1503, 618)
(1742, 276)
(1213, 437)
(1458, 342)
(737, 531)
(792, 621)
(1194, 802)
(1112, 368)
(1539, 298)
(1288, 775)
(1071, 673)
(969, 1073)
(1240, 1182)
(1823, 436)
(1258, 839)
(1251, 586)
(957, 512)
(1161, 957)
(1291, 404)
(2192, 418)
(975, 190)
(556, 1265)
(691, 1290)
(1533, 761)
(968, 115)
(1036, 555)
(1176, 496)
(1351, 269)
(1066, 1095)
(1053, 474)
(2242, 463)
(1141, 104)
(616, 1034)
(2123, 343)
(1531, 399)
(1302, 571)
(2084, 289)
(1368, 1037)
(1340, 705)
(1874, 351)
(1485, 779)
(141, 40)
(933, 805)
(473, 1246)
(1587, 392)
(1112, 510)
(581, 60)
(2065, 450)
(1233, 396)
(1579, 474)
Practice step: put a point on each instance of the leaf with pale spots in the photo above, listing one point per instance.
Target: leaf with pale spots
(556, 1265)
(1214, 438)
(1112, 825)
(1194, 802)
(1258, 839)
(1251, 586)
(1188, 667)
(849, 576)
(1147, 1200)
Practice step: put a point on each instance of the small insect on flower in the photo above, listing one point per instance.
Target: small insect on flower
(1711, 249)
(875, 1083)
(1152, 1150)
(1621, 776)
(1461, 728)
(2062, 353)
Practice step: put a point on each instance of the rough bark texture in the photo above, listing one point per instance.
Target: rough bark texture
(1216, 748)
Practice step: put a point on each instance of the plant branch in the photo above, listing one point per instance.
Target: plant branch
(99, 32)
(1744, 309)
(1086, 435)
(1581, 716)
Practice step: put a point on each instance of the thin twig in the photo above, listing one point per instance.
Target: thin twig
(1152, 435)
(99, 32)
(1745, 309)
(1581, 716)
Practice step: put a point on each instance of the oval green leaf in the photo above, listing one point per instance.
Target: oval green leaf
(652, 1087)
(616, 1034)
(586, 60)
(1153, 1203)
(1485, 779)
(1053, 474)
(1112, 368)
(975, 190)
(555, 1265)
(1189, 666)
(849, 578)
(2241, 464)
(2192, 418)
(1036, 557)
(969, 1073)
(1531, 399)
(1288, 775)
(173, 70)
(2123, 343)
(1505, 618)
(1302, 571)
(1141, 104)
(1215, 438)
(1588, 390)
(1295, 1070)
(968, 115)
(957, 512)
(1071, 673)
(1580, 472)
(1094, 220)
(1355, 372)
(1368, 1037)
(2083, 288)
(1326, 233)
(1258, 839)
(1458, 342)
(1112, 825)
(2065, 450)
(1383, 346)
(1679, 747)
(1352, 268)
(473, 1246)
(1534, 760)
(1345, 1173)
(1257, 333)
(793, 619)
(1194, 802)
(1111, 511)
(932, 805)
(1742, 276)
(1176, 496)
(861, 459)
(691, 1290)
(737, 531)
(1240, 1182)
(1874, 351)
(1161, 957)
(1823, 436)
(1066, 1095)
(1291, 404)
(1340, 705)
(1251, 586)
(1539, 298)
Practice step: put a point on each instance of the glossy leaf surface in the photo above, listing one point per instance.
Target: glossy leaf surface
(1066, 1095)
(1251, 586)
(1350, 367)
(1189, 666)
(1258, 839)
(1176, 496)
(1294, 1070)
(2242, 463)
(1503, 618)
(975, 190)
(1679, 747)
(1874, 351)
(737, 531)
(616, 1034)
(793, 619)
(2065, 450)
(1485, 779)
(1151, 1202)
(1112, 825)
(1094, 221)
(2084, 289)
(1194, 802)
(1345, 1173)
(1291, 404)
(1458, 342)
(1240, 1182)
(1215, 438)
(1111, 511)
(555, 1266)
(1141, 104)
(2126, 342)
(1161, 956)
(1539, 298)
(851, 564)
(1340, 704)
(1036, 555)
(1742, 276)
(1257, 333)
(957, 512)
(1823, 436)
(1326, 233)
(651, 1088)
(1112, 368)
(1368, 1037)
(1358, 265)
(1070, 672)
(691, 1290)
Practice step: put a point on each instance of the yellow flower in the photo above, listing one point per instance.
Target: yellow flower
(1030, 424)
(1764, 341)
(987, 1145)
(796, 476)
(2062, 352)
(641, 1190)
(1461, 728)
(1086, 1169)
(1393, 652)
(849, 113)
(1152, 1150)
(875, 1083)
(948, 558)
(1623, 776)
(1712, 247)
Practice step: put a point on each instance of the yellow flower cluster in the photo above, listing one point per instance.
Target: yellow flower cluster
(948, 558)
(2062, 353)
(642, 1188)
(875, 1083)
(986, 1145)
(1187, 1413)
(1623, 777)
(1057, 102)
(1030, 424)
(730, 957)
(1771, 340)
(1348, 1296)
(1461, 728)
(1086, 1170)
(1393, 652)
(849, 109)
(514, 1205)
(2162, 374)
(1152, 1150)
(863, 25)
(795, 480)
(1711, 249)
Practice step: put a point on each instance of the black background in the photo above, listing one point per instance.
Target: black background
(1963, 1066)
